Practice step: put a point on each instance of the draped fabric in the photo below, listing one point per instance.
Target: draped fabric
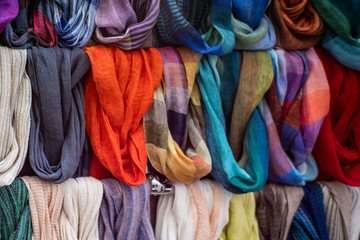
(126, 24)
(355, 214)
(9, 9)
(242, 223)
(276, 205)
(337, 147)
(297, 103)
(123, 211)
(80, 210)
(15, 103)
(195, 211)
(184, 23)
(31, 27)
(114, 122)
(248, 135)
(74, 20)
(57, 131)
(342, 32)
(15, 217)
(174, 125)
(309, 221)
(337, 206)
(45, 200)
(299, 26)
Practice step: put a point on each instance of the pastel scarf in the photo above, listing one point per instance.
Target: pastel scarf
(309, 221)
(195, 211)
(240, 165)
(174, 125)
(299, 26)
(337, 150)
(46, 200)
(184, 23)
(74, 20)
(124, 211)
(57, 132)
(355, 214)
(9, 9)
(242, 223)
(276, 205)
(297, 103)
(126, 24)
(15, 103)
(15, 217)
(342, 32)
(114, 121)
(80, 210)
(31, 27)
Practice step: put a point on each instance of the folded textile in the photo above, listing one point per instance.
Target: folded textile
(355, 214)
(337, 206)
(309, 221)
(248, 135)
(342, 31)
(299, 26)
(114, 122)
(74, 20)
(337, 149)
(80, 211)
(46, 200)
(9, 9)
(126, 24)
(15, 104)
(15, 217)
(242, 223)
(276, 205)
(296, 105)
(174, 125)
(123, 211)
(57, 131)
(31, 27)
(185, 23)
(195, 211)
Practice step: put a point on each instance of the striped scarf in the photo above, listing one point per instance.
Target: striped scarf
(183, 23)
(355, 213)
(123, 211)
(174, 125)
(126, 24)
(9, 9)
(15, 217)
(15, 104)
(297, 103)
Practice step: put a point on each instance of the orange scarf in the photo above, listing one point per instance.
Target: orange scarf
(118, 92)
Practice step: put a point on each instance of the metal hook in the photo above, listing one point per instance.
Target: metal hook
(158, 188)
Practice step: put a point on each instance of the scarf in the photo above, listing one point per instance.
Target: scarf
(342, 32)
(355, 214)
(299, 26)
(184, 23)
(175, 121)
(9, 9)
(31, 27)
(297, 103)
(276, 205)
(57, 132)
(127, 24)
(114, 121)
(15, 217)
(195, 211)
(74, 20)
(309, 221)
(45, 201)
(123, 211)
(337, 206)
(15, 103)
(248, 135)
(336, 150)
(80, 211)
(242, 223)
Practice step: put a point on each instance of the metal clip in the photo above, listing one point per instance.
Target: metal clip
(158, 188)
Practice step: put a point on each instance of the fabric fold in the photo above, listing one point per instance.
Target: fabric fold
(57, 131)
(9, 9)
(114, 122)
(355, 214)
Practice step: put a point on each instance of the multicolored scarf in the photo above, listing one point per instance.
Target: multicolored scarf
(9, 9)
(174, 126)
